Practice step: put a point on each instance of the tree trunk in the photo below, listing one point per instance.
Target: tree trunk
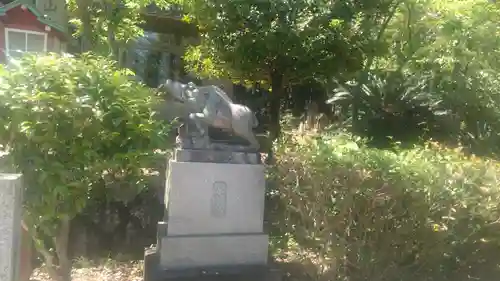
(58, 264)
(112, 44)
(278, 90)
(277, 93)
(61, 242)
(120, 232)
(312, 113)
(83, 7)
(26, 267)
(356, 99)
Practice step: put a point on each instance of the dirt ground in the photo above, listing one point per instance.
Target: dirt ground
(110, 271)
(132, 271)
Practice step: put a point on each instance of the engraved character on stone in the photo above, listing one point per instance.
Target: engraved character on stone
(219, 198)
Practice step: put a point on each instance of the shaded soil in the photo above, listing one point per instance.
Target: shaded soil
(132, 271)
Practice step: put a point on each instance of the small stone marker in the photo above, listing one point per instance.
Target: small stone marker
(11, 190)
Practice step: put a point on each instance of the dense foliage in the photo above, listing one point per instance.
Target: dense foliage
(281, 43)
(106, 26)
(427, 213)
(401, 73)
(426, 68)
(71, 125)
(436, 79)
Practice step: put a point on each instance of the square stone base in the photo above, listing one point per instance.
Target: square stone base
(214, 198)
(154, 272)
(196, 251)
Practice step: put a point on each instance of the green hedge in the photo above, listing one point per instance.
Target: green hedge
(428, 213)
(81, 132)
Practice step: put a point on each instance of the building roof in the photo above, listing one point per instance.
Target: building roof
(41, 17)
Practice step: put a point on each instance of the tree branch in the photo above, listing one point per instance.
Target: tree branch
(47, 256)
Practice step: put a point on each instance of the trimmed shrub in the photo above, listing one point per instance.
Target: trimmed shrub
(427, 213)
(75, 127)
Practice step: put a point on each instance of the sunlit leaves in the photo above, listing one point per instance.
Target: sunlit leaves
(111, 22)
(68, 121)
(340, 200)
(252, 39)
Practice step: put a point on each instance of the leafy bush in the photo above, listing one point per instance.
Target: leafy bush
(394, 107)
(71, 124)
(447, 45)
(427, 213)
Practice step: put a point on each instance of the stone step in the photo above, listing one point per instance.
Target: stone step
(152, 272)
(194, 251)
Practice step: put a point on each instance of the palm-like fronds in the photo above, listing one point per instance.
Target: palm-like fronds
(392, 105)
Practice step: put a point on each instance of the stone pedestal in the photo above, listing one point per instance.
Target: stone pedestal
(213, 224)
(11, 191)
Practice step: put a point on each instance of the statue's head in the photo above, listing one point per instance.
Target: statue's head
(173, 89)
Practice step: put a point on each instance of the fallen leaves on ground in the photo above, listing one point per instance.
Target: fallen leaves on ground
(109, 271)
(294, 268)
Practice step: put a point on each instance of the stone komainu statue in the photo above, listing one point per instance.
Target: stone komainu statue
(210, 106)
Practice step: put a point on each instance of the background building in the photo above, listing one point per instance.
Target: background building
(26, 28)
(157, 56)
(42, 26)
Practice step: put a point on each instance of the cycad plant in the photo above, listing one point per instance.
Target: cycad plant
(393, 107)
